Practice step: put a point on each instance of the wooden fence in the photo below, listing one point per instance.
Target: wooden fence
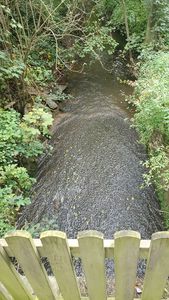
(92, 248)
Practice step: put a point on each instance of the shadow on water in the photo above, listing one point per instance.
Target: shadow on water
(92, 178)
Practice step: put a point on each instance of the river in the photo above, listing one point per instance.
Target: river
(93, 177)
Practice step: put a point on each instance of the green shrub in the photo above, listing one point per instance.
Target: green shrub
(97, 40)
(9, 68)
(151, 99)
(151, 119)
(20, 139)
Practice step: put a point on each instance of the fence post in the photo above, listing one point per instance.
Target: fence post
(93, 260)
(58, 253)
(11, 279)
(126, 253)
(21, 244)
(157, 267)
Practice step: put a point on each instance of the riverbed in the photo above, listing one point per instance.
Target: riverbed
(93, 178)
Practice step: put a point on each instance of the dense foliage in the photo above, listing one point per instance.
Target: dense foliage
(39, 39)
(142, 23)
(19, 141)
(152, 118)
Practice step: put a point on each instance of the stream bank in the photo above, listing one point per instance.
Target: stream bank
(93, 177)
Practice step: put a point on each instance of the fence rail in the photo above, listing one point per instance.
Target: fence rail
(33, 282)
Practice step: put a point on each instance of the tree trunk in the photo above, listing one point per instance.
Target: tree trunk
(149, 37)
(127, 27)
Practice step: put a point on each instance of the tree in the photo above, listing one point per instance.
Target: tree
(127, 27)
(157, 21)
(149, 37)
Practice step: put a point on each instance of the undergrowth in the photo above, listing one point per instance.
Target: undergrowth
(21, 140)
(151, 99)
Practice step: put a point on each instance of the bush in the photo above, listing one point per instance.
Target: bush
(20, 139)
(152, 98)
(151, 119)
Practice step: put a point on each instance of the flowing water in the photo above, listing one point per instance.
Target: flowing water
(93, 177)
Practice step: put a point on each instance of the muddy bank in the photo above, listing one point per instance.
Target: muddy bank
(92, 178)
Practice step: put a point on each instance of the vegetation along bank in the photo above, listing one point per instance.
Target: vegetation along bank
(39, 41)
(151, 119)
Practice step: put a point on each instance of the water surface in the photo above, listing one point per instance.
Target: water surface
(93, 177)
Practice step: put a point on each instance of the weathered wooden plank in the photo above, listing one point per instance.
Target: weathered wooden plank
(87, 298)
(21, 245)
(2, 296)
(56, 248)
(157, 267)
(11, 279)
(74, 247)
(144, 249)
(126, 255)
(93, 261)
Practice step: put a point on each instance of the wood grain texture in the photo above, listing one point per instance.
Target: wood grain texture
(11, 279)
(157, 267)
(74, 247)
(93, 260)
(126, 255)
(21, 245)
(91, 247)
(56, 248)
